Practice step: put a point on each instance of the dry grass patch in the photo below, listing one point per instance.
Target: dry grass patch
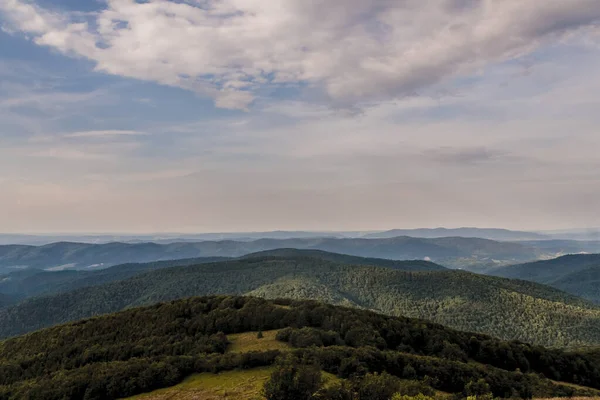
(241, 384)
(248, 341)
(230, 385)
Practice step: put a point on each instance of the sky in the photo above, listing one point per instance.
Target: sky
(249, 115)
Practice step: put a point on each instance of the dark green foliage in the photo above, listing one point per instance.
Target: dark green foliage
(377, 386)
(339, 391)
(307, 337)
(477, 388)
(292, 381)
(142, 349)
(507, 309)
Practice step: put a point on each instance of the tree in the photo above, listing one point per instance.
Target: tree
(378, 386)
(292, 381)
(479, 389)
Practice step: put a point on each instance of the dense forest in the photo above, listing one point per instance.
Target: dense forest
(142, 349)
(578, 274)
(504, 308)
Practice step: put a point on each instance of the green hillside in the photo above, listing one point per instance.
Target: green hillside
(144, 349)
(578, 274)
(584, 283)
(34, 282)
(504, 308)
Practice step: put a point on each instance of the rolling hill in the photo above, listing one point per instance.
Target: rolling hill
(578, 274)
(404, 265)
(144, 349)
(504, 308)
(32, 282)
(455, 252)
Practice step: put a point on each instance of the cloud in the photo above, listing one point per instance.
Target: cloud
(352, 52)
(104, 133)
(466, 156)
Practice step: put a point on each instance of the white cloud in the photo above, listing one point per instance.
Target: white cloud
(353, 51)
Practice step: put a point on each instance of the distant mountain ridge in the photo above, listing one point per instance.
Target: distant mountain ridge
(482, 233)
(504, 308)
(450, 251)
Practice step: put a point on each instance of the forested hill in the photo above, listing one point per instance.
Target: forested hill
(26, 283)
(143, 349)
(451, 251)
(34, 282)
(504, 308)
(547, 271)
(404, 265)
(578, 274)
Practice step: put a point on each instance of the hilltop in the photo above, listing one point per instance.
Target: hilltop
(144, 349)
(504, 308)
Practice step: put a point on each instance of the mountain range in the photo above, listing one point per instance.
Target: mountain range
(495, 234)
(492, 234)
(455, 252)
(509, 309)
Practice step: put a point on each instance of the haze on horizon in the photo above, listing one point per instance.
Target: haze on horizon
(241, 116)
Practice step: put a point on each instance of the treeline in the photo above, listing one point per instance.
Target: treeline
(108, 355)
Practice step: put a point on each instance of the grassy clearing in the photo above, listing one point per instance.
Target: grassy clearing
(241, 384)
(245, 342)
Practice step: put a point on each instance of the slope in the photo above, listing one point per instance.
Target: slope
(144, 349)
(578, 274)
(504, 308)
(547, 271)
(34, 282)
(584, 283)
